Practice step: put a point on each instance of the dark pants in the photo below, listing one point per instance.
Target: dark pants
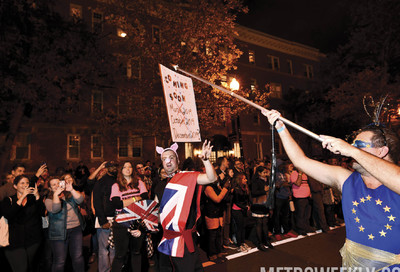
(318, 211)
(281, 215)
(73, 244)
(261, 229)
(23, 258)
(190, 262)
(126, 244)
(240, 222)
(214, 241)
(330, 214)
(227, 223)
(302, 215)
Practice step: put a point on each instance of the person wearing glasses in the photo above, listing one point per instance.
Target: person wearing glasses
(370, 194)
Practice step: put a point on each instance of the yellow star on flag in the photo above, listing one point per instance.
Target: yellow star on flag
(355, 203)
(387, 209)
(362, 200)
(388, 227)
(357, 219)
(391, 218)
(361, 228)
(378, 202)
(382, 233)
(368, 197)
(353, 210)
(371, 237)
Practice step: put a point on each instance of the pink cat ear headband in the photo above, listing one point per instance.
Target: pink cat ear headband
(173, 148)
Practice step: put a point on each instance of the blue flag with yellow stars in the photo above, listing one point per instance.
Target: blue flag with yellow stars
(372, 216)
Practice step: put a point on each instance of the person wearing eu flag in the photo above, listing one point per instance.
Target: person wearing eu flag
(370, 194)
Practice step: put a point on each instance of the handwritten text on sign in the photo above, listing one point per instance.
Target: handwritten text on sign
(181, 106)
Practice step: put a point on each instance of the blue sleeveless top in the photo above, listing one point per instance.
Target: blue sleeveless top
(372, 216)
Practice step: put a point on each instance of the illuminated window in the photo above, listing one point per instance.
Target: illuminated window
(276, 90)
(74, 142)
(253, 84)
(97, 147)
(76, 12)
(252, 57)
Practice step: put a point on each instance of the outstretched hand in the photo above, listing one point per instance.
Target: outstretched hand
(337, 146)
(206, 150)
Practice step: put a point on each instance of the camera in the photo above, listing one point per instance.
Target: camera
(62, 184)
(32, 183)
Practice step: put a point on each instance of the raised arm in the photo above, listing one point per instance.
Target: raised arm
(325, 173)
(210, 175)
(383, 170)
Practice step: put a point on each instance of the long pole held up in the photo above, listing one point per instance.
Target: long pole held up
(284, 120)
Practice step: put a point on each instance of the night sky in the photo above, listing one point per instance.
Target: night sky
(318, 23)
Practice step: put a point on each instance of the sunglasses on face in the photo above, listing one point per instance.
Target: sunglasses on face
(362, 144)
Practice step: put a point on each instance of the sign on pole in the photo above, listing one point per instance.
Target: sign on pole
(181, 106)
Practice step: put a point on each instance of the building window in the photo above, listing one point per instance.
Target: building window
(97, 101)
(256, 119)
(74, 143)
(123, 146)
(253, 84)
(276, 90)
(97, 22)
(122, 105)
(252, 57)
(21, 149)
(290, 66)
(133, 68)
(75, 12)
(273, 63)
(130, 146)
(224, 81)
(97, 147)
(308, 71)
(188, 150)
(156, 34)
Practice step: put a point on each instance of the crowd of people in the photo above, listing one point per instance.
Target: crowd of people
(50, 213)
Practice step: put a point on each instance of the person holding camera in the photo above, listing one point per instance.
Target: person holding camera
(24, 212)
(65, 223)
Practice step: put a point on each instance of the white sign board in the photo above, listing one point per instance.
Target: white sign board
(181, 106)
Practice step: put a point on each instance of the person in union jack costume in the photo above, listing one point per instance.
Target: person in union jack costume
(179, 197)
(370, 194)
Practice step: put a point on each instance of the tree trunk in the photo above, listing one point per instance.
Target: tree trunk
(15, 124)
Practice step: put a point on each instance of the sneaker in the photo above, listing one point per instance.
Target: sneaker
(243, 249)
(290, 235)
(230, 246)
(268, 244)
(262, 248)
(278, 237)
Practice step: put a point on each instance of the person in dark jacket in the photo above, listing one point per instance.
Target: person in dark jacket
(24, 212)
(240, 206)
(104, 211)
(214, 211)
(259, 209)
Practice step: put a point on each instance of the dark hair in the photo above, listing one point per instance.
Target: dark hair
(18, 178)
(220, 160)
(188, 164)
(385, 137)
(259, 169)
(123, 183)
(17, 165)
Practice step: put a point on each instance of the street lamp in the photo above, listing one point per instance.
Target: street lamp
(234, 85)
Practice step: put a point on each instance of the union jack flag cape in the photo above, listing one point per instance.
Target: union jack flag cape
(144, 210)
(174, 211)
